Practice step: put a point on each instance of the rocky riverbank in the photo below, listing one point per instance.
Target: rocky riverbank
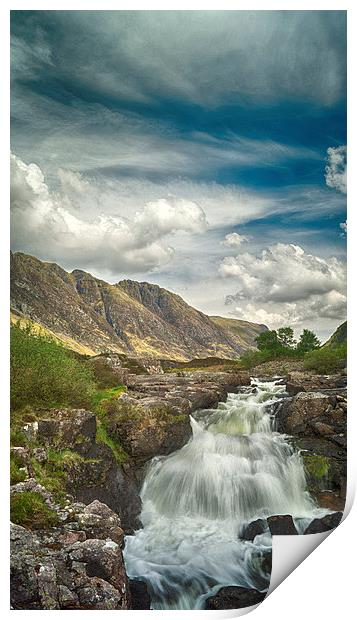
(67, 552)
(75, 501)
(315, 417)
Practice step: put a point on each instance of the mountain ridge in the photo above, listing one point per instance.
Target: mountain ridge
(135, 318)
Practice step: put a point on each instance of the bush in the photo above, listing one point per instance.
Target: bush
(105, 375)
(327, 359)
(45, 374)
(30, 510)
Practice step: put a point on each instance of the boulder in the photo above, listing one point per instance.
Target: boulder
(329, 522)
(233, 597)
(98, 521)
(281, 525)
(253, 529)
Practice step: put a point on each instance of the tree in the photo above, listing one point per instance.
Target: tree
(286, 337)
(308, 342)
(268, 341)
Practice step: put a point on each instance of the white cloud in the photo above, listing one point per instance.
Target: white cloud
(49, 225)
(234, 239)
(336, 168)
(285, 284)
(343, 226)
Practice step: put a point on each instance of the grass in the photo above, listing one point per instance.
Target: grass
(103, 437)
(30, 510)
(105, 394)
(17, 474)
(316, 466)
(101, 401)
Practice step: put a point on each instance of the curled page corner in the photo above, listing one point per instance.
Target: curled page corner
(289, 552)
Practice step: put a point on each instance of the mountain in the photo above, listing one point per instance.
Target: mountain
(338, 337)
(137, 318)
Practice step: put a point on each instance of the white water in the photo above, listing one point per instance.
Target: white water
(196, 501)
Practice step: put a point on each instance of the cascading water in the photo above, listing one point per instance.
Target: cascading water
(196, 502)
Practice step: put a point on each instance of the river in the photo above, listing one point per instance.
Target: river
(197, 501)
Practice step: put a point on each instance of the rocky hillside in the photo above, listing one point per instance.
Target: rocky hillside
(135, 318)
(339, 337)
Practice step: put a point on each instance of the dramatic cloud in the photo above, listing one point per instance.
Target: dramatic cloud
(205, 57)
(234, 239)
(285, 284)
(49, 225)
(336, 169)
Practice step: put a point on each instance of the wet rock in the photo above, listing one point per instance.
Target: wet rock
(281, 525)
(254, 529)
(267, 562)
(329, 522)
(233, 597)
(139, 595)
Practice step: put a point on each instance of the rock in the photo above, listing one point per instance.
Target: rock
(25, 549)
(139, 595)
(267, 562)
(102, 558)
(153, 417)
(68, 429)
(254, 529)
(97, 475)
(47, 585)
(64, 567)
(281, 525)
(294, 388)
(296, 415)
(329, 522)
(233, 597)
(99, 521)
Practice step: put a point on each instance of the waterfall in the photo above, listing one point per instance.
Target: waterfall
(196, 502)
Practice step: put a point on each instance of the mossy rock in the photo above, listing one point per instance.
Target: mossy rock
(317, 469)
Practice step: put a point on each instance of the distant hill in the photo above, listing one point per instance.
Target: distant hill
(338, 337)
(135, 318)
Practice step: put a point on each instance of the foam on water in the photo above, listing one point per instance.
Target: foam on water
(196, 501)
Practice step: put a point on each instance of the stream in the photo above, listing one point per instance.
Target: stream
(197, 501)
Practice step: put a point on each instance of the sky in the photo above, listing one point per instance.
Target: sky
(204, 151)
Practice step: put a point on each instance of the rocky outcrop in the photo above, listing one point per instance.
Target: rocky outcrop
(233, 597)
(152, 418)
(95, 473)
(316, 420)
(76, 565)
(307, 382)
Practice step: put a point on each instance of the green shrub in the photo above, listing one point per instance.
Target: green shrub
(254, 358)
(327, 359)
(30, 510)
(45, 374)
(105, 376)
